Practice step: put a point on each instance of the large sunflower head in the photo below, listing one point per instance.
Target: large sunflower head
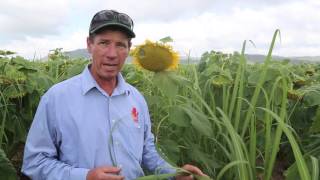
(155, 56)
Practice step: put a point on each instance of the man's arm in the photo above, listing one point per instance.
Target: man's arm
(41, 159)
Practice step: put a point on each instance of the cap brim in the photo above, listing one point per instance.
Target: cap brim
(129, 32)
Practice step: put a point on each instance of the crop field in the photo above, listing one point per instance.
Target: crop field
(232, 119)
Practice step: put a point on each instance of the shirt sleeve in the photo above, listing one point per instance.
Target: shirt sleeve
(41, 159)
(151, 158)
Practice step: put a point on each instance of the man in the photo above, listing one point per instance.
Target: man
(95, 125)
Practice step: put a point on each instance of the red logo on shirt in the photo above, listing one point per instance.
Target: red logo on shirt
(134, 114)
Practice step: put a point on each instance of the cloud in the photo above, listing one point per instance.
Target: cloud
(150, 10)
(34, 18)
(38, 47)
(195, 26)
(298, 22)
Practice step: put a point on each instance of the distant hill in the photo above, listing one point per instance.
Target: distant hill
(254, 58)
(78, 53)
(308, 58)
(83, 53)
(260, 58)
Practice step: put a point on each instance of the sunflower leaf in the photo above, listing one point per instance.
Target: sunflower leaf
(166, 39)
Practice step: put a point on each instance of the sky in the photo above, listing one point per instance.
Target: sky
(33, 27)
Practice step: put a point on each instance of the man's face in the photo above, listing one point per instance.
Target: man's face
(109, 50)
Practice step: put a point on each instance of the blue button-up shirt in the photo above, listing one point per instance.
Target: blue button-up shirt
(78, 126)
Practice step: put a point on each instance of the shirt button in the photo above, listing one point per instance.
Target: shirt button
(117, 143)
(113, 121)
(120, 166)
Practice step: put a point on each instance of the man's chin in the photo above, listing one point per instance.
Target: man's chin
(109, 77)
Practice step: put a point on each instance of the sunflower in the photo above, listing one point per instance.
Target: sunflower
(155, 56)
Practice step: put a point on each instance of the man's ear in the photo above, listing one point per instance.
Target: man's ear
(89, 42)
(130, 43)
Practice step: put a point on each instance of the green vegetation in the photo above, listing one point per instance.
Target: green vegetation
(232, 119)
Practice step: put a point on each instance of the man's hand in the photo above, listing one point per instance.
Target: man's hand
(105, 173)
(191, 169)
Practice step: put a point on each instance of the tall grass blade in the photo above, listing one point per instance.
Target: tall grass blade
(268, 124)
(259, 85)
(279, 130)
(238, 82)
(229, 166)
(315, 168)
(301, 164)
(4, 118)
(242, 171)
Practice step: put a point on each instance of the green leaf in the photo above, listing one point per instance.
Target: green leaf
(156, 177)
(5, 53)
(11, 72)
(312, 98)
(153, 100)
(315, 127)
(165, 82)
(292, 172)
(254, 77)
(198, 155)
(23, 65)
(15, 91)
(178, 117)
(166, 39)
(171, 149)
(7, 171)
(76, 69)
(199, 121)
(229, 166)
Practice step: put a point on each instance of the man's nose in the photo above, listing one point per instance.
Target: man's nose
(112, 51)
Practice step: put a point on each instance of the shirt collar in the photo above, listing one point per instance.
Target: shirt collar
(88, 82)
(122, 86)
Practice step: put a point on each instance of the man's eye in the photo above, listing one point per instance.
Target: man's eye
(102, 42)
(122, 45)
